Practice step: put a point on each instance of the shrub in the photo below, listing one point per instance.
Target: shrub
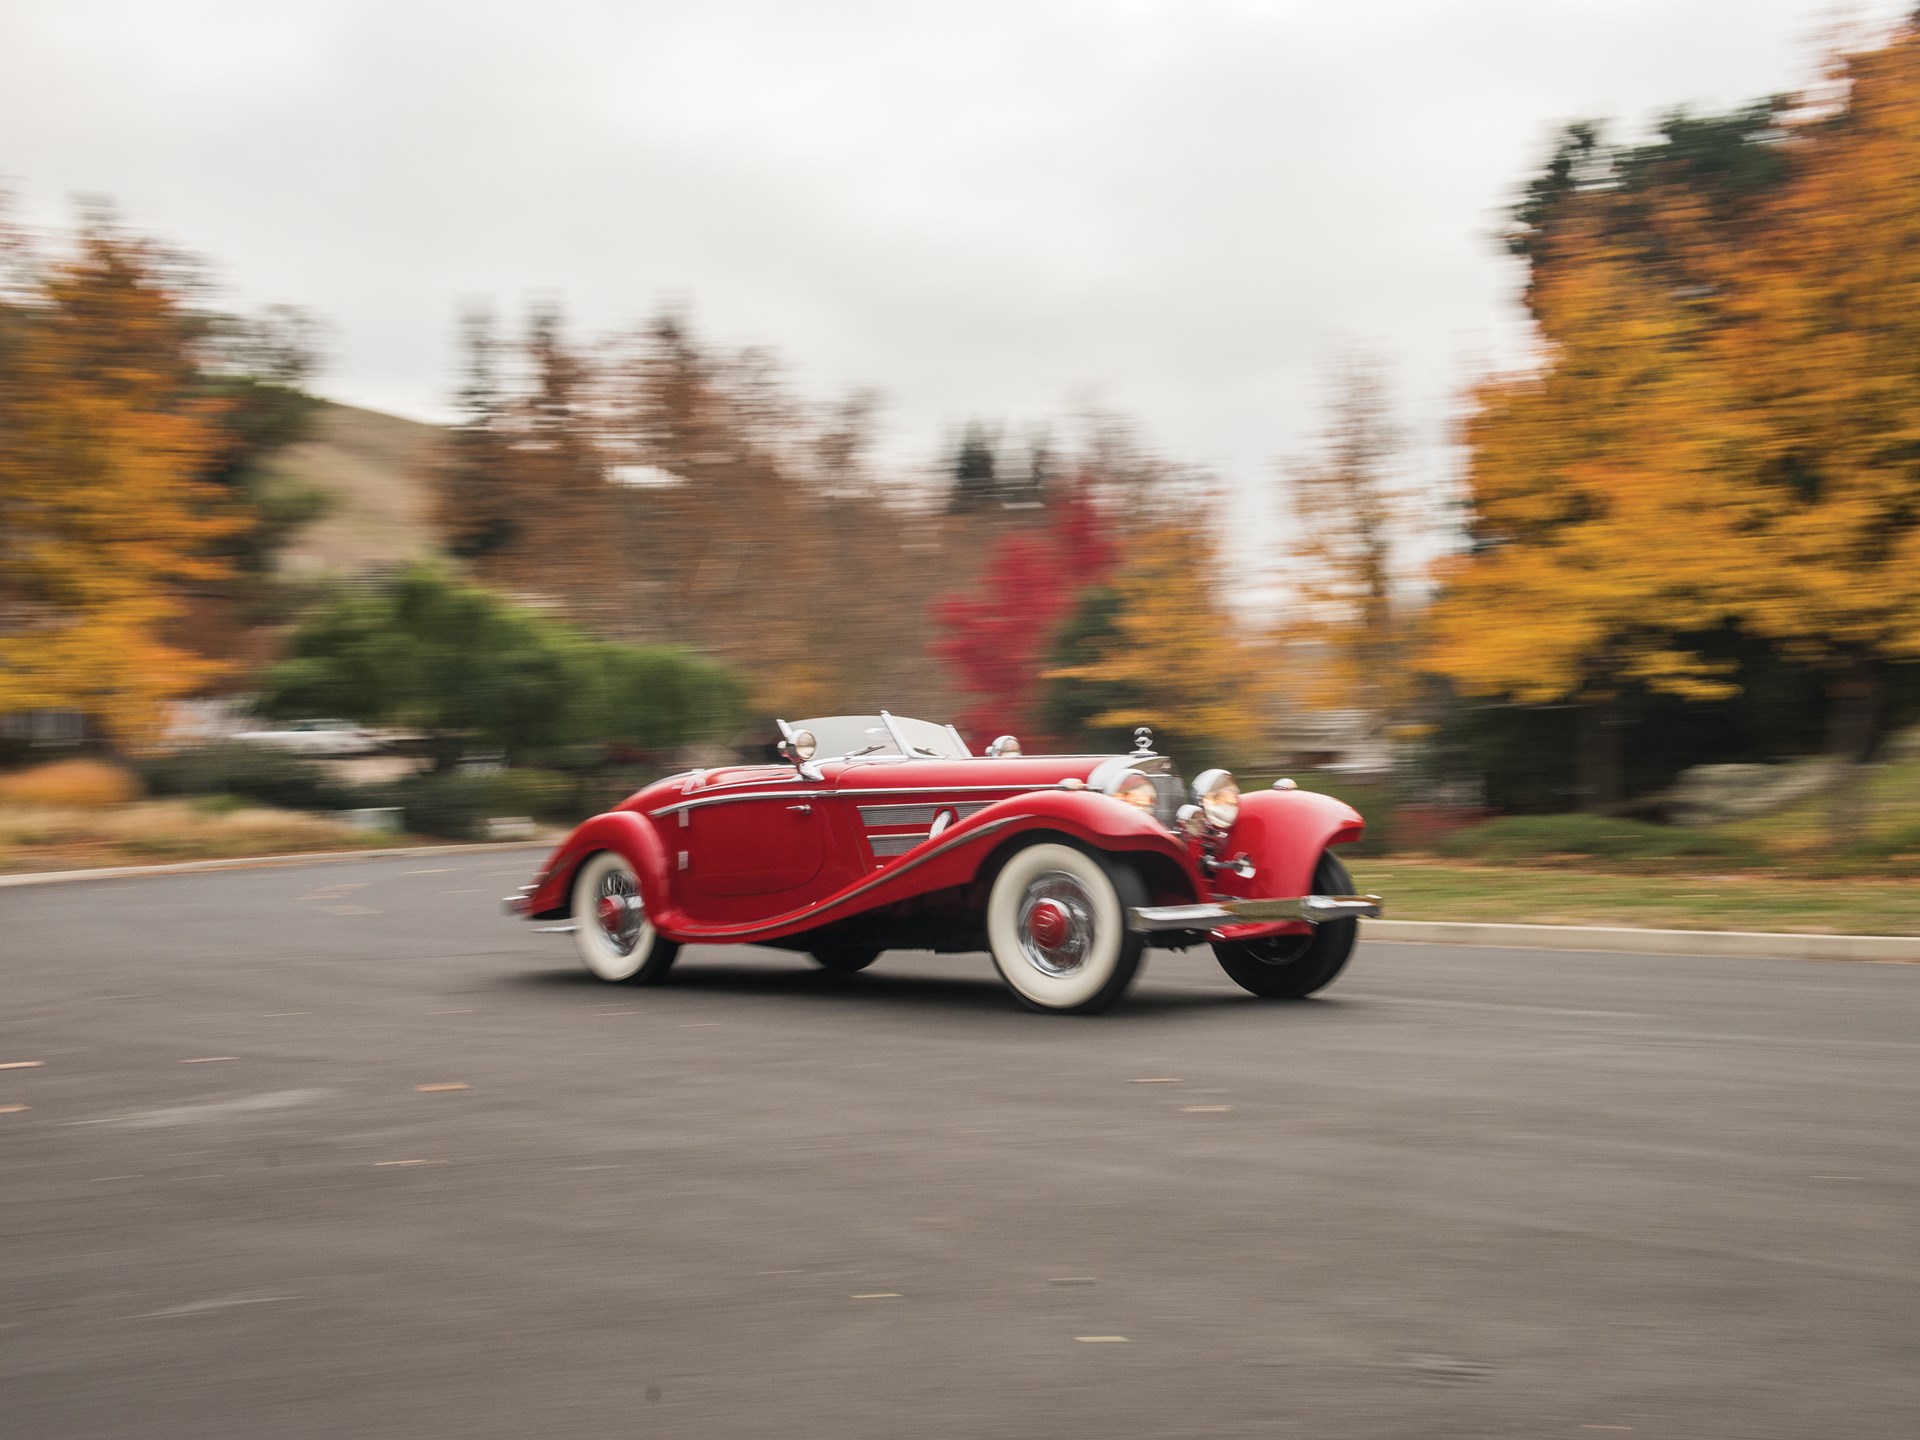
(541, 794)
(70, 785)
(453, 806)
(1522, 838)
(251, 772)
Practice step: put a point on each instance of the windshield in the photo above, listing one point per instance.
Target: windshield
(845, 736)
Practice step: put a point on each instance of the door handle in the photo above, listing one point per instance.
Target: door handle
(801, 809)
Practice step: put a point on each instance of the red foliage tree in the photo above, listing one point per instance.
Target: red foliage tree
(998, 637)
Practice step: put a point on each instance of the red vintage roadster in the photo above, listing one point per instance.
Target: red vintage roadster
(884, 833)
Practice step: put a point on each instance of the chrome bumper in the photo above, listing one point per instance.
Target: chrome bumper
(520, 902)
(1314, 909)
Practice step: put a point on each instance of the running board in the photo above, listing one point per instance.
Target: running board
(555, 929)
(1314, 909)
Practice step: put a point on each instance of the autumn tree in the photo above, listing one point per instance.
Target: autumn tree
(1751, 389)
(108, 434)
(1353, 511)
(1822, 332)
(999, 637)
(1607, 524)
(1159, 646)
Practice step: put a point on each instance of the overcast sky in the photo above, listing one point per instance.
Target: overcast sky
(1178, 209)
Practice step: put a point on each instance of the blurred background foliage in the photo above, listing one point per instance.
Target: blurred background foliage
(1686, 533)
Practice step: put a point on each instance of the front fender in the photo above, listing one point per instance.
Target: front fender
(1284, 833)
(620, 830)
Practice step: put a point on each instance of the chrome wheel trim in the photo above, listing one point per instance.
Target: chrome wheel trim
(619, 912)
(1058, 988)
(1056, 924)
(618, 950)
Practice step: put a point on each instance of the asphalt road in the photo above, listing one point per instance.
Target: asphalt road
(1465, 1193)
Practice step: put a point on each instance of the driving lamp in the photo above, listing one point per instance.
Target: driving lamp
(802, 745)
(1135, 789)
(1218, 795)
(1006, 745)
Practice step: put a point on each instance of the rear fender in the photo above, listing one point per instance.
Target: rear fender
(623, 832)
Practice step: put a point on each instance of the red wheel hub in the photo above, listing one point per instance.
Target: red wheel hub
(1049, 924)
(612, 913)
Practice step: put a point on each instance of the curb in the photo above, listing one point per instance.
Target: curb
(1748, 944)
(250, 862)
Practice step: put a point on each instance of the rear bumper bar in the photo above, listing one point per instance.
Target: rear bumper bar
(1217, 915)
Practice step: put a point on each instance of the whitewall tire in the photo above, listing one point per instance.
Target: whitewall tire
(1057, 928)
(615, 939)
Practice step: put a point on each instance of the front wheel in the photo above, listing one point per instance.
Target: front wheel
(1292, 967)
(615, 939)
(1057, 927)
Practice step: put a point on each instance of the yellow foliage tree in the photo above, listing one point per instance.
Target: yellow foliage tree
(1173, 650)
(1607, 518)
(103, 514)
(1822, 333)
(1725, 424)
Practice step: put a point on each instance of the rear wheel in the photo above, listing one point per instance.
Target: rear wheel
(1057, 927)
(1291, 967)
(844, 959)
(615, 939)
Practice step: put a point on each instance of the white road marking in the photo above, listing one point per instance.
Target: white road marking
(203, 1307)
(212, 1110)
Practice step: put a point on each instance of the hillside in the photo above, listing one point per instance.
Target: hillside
(377, 471)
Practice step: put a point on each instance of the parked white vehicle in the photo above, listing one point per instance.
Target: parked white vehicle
(316, 737)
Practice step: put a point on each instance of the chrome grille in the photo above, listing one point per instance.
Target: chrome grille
(1169, 794)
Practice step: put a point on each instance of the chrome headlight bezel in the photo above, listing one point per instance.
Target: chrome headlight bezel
(1217, 794)
(1130, 787)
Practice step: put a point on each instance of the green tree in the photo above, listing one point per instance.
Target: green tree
(470, 669)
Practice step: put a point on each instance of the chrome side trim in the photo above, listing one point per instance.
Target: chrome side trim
(727, 799)
(895, 844)
(555, 929)
(1314, 909)
(731, 796)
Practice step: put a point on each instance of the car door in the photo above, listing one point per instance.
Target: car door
(760, 834)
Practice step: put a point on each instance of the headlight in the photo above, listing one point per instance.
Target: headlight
(1218, 795)
(1135, 789)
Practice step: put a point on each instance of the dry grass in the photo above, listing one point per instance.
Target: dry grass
(42, 837)
(70, 785)
(378, 471)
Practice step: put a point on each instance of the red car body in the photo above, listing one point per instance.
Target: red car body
(899, 851)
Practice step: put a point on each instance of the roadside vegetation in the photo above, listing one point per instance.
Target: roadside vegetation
(1683, 536)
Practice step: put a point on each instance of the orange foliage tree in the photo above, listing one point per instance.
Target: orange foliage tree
(1722, 425)
(106, 432)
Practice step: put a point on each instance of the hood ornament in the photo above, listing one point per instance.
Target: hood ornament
(1143, 741)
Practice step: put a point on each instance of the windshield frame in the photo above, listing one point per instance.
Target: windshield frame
(883, 736)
